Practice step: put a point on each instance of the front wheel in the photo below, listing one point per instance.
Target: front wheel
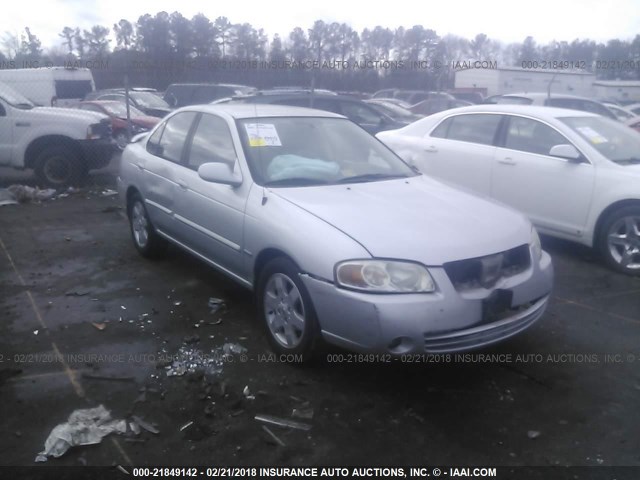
(285, 309)
(620, 240)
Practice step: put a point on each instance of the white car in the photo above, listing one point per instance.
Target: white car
(575, 174)
(623, 114)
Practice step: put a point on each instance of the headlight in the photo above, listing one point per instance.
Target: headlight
(536, 247)
(93, 131)
(384, 276)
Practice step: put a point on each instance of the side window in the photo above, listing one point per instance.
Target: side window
(360, 113)
(173, 137)
(153, 144)
(211, 142)
(442, 130)
(327, 105)
(475, 128)
(531, 136)
(204, 94)
(294, 102)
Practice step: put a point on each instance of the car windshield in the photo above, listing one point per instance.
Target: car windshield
(615, 141)
(303, 151)
(119, 109)
(14, 98)
(149, 100)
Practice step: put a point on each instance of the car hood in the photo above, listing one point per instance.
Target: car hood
(60, 114)
(417, 219)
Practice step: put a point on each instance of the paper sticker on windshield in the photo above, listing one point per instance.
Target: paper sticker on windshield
(263, 135)
(593, 136)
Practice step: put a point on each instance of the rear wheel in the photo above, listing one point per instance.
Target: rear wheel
(620, 240)
(285, 309)
(145, 238)
(60, 166)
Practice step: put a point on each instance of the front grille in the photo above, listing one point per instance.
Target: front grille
(486, 271)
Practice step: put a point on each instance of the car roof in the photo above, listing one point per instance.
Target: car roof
(533, 110)
(252, 110)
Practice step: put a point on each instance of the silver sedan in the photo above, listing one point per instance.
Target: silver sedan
(339, 239)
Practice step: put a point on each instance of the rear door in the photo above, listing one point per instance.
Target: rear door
(460, 150)
(160, 165)
(210, 216)
(554, 192)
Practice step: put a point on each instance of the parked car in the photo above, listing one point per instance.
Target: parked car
(633, 107)
(183, 94)
(435, 105)
(61, 145)
(575, 174)
(148, 102)
(471, 97)
(622, 113)
(411, 96)
(372, 120)
(557, 100)
(393, 110)
(117, 111)
(338, 238)
(492, 99)
(51, 86)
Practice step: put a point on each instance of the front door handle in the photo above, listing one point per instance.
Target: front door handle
(182, 185)
(507, 161)
(23, 124)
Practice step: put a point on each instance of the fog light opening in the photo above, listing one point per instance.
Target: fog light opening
(400, 345)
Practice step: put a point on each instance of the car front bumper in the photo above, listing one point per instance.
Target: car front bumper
(97, 153)
(445, 321)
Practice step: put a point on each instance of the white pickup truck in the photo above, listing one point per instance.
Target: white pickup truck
(61, 145)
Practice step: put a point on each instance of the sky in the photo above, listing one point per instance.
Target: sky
(506, 21)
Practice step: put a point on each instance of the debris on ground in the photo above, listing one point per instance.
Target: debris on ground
(77, 293)
(24, 194)
(215, 304)
(99, 325)
(233, 348)
(84, 427)
(247, 393)
(193, 360)
(144, 425)
(533, 434)
(305, 413)
(273, 436)
(186, 425)
(107, 192)
(282, 422)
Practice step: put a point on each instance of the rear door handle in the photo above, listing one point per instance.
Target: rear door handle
(431, 149)
(182, 185)
(23, 124)
(140, 166)
(507, 161)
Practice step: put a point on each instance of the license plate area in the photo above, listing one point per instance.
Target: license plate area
(497, 306)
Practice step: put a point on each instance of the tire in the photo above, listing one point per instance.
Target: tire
(60, 166)
(146, 240)
(286, 311)
(619, 241)
(121, 138)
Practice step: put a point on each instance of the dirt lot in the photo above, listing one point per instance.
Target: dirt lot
(563, 393)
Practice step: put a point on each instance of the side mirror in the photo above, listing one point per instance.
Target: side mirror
(566, 151)
(218, 172)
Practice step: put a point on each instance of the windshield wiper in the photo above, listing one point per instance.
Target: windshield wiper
(295, 182)
(370, 177)
(628, 160)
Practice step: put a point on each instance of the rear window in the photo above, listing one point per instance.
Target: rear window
(73, 88)
(474, 128)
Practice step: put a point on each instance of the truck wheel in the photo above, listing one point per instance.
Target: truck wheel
(59, 166)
